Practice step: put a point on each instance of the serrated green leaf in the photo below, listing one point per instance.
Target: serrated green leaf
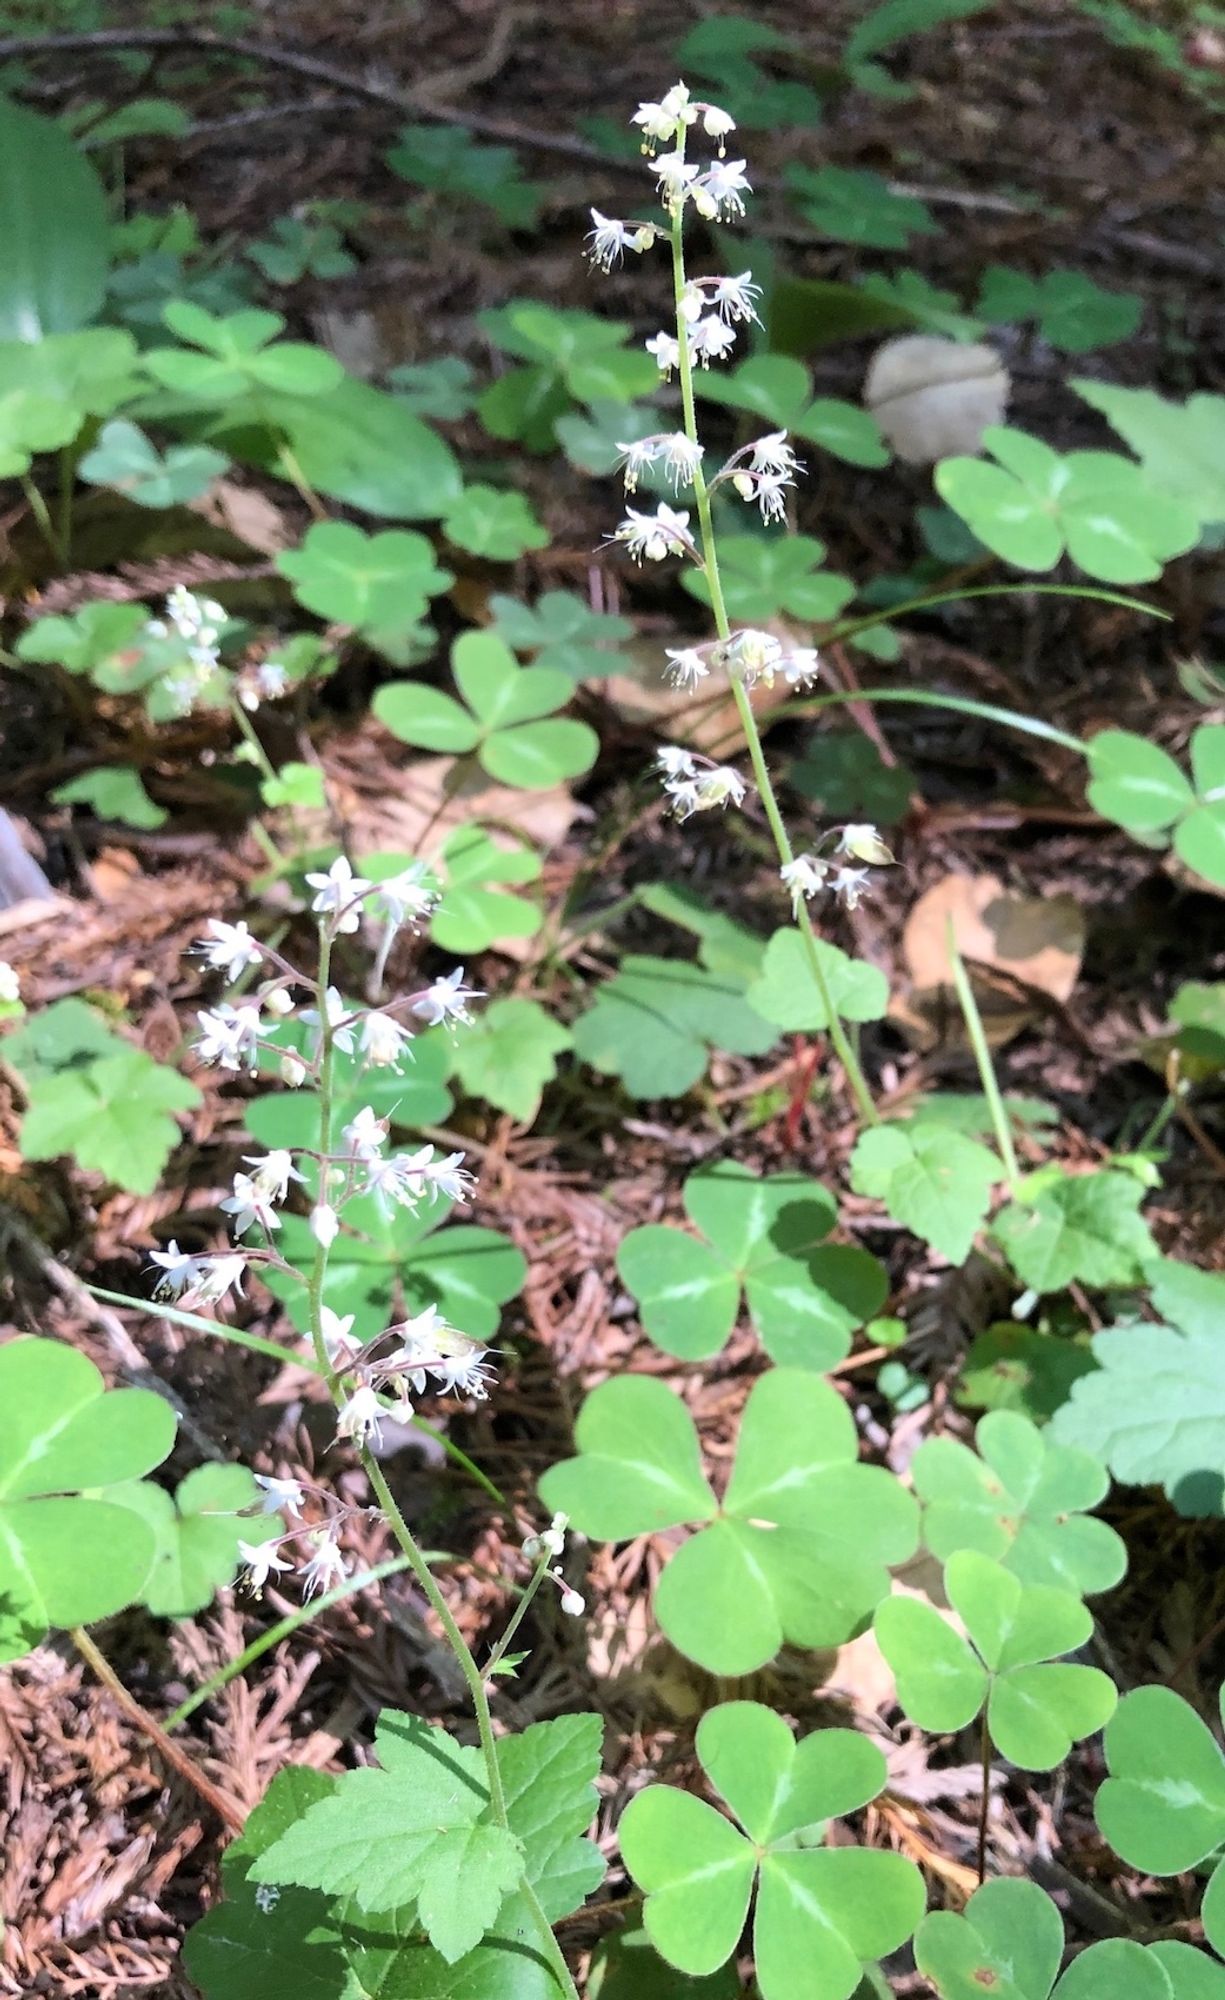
(509, 1054)
(1153, 1410)
(655, 1021)
(786, 990)
(114, 793)
(110, 1110)
(1180, 445)
(855, 206)
(934, 1180)
(548, 1772)
(1084, 1227)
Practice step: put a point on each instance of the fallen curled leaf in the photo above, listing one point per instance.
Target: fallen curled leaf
(933, 397)
(1012, 946)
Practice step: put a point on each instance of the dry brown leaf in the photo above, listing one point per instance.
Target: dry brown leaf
(417, 815)
(1032, 942)
(693, 718)
(247, 514)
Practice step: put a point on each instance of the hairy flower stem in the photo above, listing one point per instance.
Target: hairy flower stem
(403, 1534)
(761, 773)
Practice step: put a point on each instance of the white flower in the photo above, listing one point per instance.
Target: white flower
(324, 1224)
(609, 240)
(278, 1000)
(654, 536)
(665, 348)
(771, 495)
(383, 1040)
(360, 1417)
(640, 453)
(711, 339)
(686, 666)
(325, 1568)
(339, 892)
(337, 1011)
(772, 453)
(366, 1134)
(675, 174)
(216, 1276)
(292, 1071)
(10, 985)
(259, 1560)
(704, 790)
(278, 1493)
(863, 843)
(571, 1602)
(734, 297)
(720, 188)
(681, 457)
(717, 123)
(801, 666)
(249, 1204)
(675, 762)
(805, 876)
(849, 885)
(230, 949)
(446, 1000)
(406, 897)
(273, 1172)
(753, 655)
(229, 1036)
(420, 1346)
(267, 1896)
(271, 680)
(692, 300)
(338, 1344)
(464, 1374)
(177, 1268)
(659, 121)
(447, 1177)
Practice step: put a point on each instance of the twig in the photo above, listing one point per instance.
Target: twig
(228, 1810)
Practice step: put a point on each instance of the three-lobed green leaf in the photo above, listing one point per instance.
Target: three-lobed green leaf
(933, 1179)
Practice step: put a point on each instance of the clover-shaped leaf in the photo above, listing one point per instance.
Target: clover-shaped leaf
(508, 1055)
(228, 356)
(1135, 783)
(1009, 1943)
(504, 723)
(300, 246)
(125, 458)
(1036, 1710)
(1033, 504)
(786, 991)
(570, 355)
(1199, 840)
(1023, 1500)
(779, 389)
(376, 583)
(655, 1021)
(762, 1239)
(69, 1553)
(466, 1271)
(487, 521)
(449, 161)
(92, 371)
(563, 633)
(1072, 312)
(30, 422)
(1163, 1806)
(99, 640)
(821, 1911)
(197, 1534)
(797, 1551)
(854, 206)
(475, 908)
(1085, 1227)
(930, 1177)
(763, 575)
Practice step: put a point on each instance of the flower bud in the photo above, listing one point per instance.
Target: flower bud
(293, 1072)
